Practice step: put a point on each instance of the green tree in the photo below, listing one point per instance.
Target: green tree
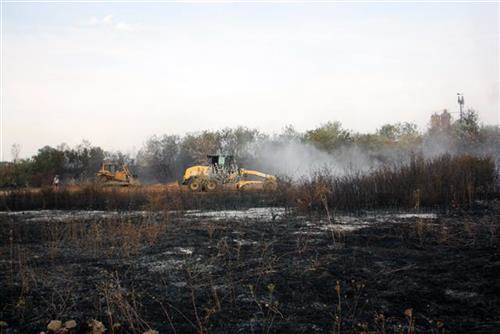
(196, 146)
(18, 174)
(440, 124)
(467, 130)
(290, 134)
(47, 162)
(398, 131)
(329, 136)
(83, 161)
(239, 141)
(158, 158)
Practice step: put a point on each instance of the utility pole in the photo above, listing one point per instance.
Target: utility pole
(461, 105)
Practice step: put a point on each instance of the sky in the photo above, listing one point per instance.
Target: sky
(118, 73)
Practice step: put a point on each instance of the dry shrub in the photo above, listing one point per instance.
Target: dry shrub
(449, 182)
(153, 231)
(124, 238)
(122, 305)
(110, 237)
(443, 182)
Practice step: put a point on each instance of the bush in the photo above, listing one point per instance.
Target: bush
(443, 182)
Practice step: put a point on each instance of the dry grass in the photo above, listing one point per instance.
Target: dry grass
(107, 238)
(446, 182)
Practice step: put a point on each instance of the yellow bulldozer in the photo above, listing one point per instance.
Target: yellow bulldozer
(222, 170)
(113, 174)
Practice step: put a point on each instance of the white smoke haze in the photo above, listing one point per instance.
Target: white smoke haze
(297, 160)
(437, 145)
(294, 156)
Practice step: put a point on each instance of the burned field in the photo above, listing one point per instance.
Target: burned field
(250, 270)
(404, 249)
(249, 167)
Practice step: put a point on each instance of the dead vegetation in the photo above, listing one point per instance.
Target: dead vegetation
(178, 273)
(281, 269)
(447, 182)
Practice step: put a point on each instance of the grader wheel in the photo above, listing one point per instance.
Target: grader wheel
(211, 185)
(195, 185)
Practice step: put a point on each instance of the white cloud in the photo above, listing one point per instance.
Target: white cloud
(108, 19)
(109, 22)
(93, 21)
(124, 27)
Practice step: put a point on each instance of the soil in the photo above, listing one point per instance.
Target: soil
(268, 270)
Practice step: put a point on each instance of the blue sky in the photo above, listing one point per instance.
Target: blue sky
(118, 73)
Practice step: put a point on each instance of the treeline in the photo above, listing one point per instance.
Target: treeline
(163, 158)
(460, 182)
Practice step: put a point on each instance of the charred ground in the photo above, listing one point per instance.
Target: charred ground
(307, 257)
(259, 270)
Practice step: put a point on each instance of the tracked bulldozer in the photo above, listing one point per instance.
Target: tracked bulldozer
(113, 174)
(222, 170)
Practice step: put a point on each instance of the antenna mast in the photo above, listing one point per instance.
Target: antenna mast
(461, 105)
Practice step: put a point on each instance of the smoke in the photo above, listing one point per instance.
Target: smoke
(295, 159)
(436, 145)
(289, 155)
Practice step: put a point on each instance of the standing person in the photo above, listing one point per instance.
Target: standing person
(55, 182)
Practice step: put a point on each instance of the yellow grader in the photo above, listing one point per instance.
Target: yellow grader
(113, 174)
(222, 170)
